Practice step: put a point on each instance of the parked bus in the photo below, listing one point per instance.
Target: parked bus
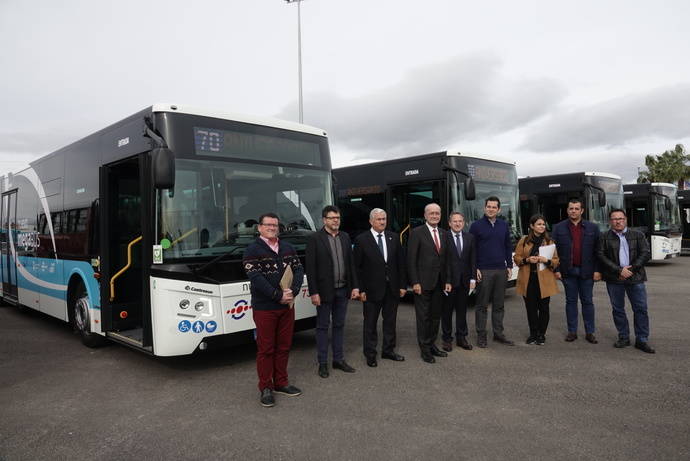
(404, 186)
(684, 205)
(549, 196)
(652, 208)
(136, 232)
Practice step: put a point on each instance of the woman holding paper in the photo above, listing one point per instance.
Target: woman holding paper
(535, 255)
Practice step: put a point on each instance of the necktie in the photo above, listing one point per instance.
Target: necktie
(380, 243)
(436, 242)
(458, 244)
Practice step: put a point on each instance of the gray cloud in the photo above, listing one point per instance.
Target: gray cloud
(432, 107)
(658, 113)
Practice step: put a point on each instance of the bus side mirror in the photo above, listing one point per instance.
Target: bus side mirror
(163, 168)
(601, 195)
(470, 192)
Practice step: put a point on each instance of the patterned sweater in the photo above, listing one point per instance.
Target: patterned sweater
(265, 268)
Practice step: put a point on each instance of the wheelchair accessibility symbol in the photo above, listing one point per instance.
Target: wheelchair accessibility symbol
(184, 326)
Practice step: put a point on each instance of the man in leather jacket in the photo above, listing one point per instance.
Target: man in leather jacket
(622, 254)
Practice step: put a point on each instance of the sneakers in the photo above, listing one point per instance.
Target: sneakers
(591, 338)
(267, 399)
(531, 340)
(290, 390)
(481, 340)
(541, 339)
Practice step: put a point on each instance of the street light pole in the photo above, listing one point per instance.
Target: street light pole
(299, 56)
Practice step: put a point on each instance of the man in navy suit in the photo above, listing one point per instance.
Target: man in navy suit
(380, 267)
(463, 269)
(576, 243)
(427, 268)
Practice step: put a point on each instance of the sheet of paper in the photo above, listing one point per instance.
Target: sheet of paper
(546, 251)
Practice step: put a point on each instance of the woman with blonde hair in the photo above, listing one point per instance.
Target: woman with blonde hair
(536, 281)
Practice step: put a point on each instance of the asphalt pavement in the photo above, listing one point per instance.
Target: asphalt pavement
(61, 400)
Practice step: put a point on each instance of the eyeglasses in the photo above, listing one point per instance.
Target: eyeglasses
(616, 219)
(332, 217)
(269, 225)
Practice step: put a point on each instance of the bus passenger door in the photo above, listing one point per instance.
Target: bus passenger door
(8, 245)
(407, 202)
(123, 306)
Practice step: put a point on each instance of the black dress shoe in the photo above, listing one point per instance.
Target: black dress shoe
(343, 365)
(437, 352)
(570, 337)
(503, 340)
(428, 358)
(621, 343)
(462, 342)
(372, 362)
(395, 357)
(323, 370)
(644, 347)
(447, 346)
(267, 399)
(591, 338)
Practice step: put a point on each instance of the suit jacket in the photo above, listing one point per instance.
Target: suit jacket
(373, 272)
(564, 246)
(424, 265)
(463, 268)
(319, 265)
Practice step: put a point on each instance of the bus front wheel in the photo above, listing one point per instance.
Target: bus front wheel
(81, 318)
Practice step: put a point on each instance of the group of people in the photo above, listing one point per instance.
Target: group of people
(443, 267)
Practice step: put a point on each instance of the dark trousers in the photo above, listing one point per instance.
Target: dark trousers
(274, 330)
(427, 308)
(492, 289)
(456, 301)
(388, 307)
(537, 308)
(335, 311)
(575, 286)
(637, 294)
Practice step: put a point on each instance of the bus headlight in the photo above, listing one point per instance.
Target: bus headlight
(184, 304)
(199, 305)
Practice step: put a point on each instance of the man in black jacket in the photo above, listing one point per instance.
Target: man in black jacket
(427, 251)
(463, 269)
(381, 271)
(332, 283)
(623, 253)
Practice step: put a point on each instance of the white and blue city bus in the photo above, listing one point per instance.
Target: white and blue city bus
(136, 232)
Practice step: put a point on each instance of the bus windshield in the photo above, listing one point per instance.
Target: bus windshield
(215, 206)
(666, 219)
(614, 200)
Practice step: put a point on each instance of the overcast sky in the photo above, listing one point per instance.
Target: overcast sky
(557, 86)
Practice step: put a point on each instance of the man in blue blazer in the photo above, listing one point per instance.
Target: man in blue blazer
(576, 243)
(463, 269)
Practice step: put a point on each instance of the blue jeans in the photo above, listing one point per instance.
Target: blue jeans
(337, 309)
(637, 294)
(575, 286)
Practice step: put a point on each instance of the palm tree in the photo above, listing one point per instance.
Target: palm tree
(668, 167)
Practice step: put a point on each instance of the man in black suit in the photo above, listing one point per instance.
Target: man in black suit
(381, 270)
(427, 249)
(332, 283)
(463, 269)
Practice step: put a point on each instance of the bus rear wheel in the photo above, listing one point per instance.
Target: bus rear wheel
(81, 319)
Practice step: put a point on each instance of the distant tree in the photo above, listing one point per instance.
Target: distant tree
(671, 167)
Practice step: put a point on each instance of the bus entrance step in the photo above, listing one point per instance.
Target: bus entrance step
(134, 337)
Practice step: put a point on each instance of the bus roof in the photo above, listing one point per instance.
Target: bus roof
(445, 153)
(663, 184)
(493, 158)
(603, 175)
(254, 120)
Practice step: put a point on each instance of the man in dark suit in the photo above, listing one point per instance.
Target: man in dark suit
(427, 250)
(332, 283)
(463, 269)
(380, 268)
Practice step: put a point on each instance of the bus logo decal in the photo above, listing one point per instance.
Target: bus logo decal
(411, 172)
(240, 309)
(123, 142)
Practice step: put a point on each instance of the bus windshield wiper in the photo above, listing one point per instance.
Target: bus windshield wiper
(197, 270)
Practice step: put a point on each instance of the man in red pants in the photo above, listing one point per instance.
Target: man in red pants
(265, 261)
